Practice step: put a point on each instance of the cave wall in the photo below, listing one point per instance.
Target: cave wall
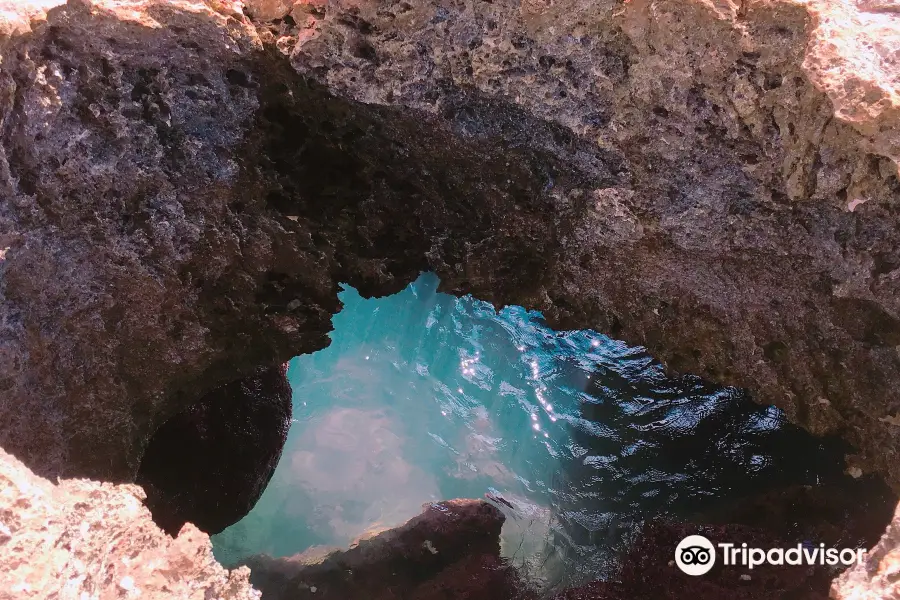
(753, 236)
(714, 181)
(184, 186)
(181, 206)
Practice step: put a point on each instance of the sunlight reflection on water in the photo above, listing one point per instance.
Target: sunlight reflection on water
(423, 396)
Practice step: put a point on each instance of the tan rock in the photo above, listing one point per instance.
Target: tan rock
(269, 9)
(877, 578)
(80, 540)
(854, 57)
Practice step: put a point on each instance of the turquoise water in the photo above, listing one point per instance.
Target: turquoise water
(423, 396)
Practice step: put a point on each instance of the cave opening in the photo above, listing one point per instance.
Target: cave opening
(581, 441)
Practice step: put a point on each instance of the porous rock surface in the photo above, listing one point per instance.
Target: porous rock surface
(717, 181)
(81, 539)
(878, 578)
(751, 235)
(714, 181)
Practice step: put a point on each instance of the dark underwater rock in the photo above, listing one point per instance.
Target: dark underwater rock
(451, 550)
(648, 571)
(209, 464)
(842, 512)
(846, 513)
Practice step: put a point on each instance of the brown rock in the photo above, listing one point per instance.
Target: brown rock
(82, 539)
(689, 197)
(716, 181)
(648, 570)
(269, 9)
(759, 140)
(451, 550)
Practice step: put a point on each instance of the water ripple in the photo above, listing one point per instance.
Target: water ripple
(422, 396)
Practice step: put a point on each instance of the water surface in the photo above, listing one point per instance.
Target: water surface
(423, 396)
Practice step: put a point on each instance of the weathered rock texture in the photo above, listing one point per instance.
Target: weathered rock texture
(716, 181)
(879, 577)
(649, 571)
(451, 550)
(82, 539)
(752, 234)
(182, 206)
(209, 464)
(713, 181)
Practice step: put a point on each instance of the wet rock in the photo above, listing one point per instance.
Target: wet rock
(451, 550)
(84, 539)
(209, 464)
(844, 513)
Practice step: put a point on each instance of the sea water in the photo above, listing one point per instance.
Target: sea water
(423, 396)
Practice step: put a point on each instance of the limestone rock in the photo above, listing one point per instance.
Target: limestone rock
(81, 539)
(878, 578)
(183, 207)
(759, 144)
(269, 9)
(715, 181)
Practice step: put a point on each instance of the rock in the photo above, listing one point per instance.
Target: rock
(451, 550)
(687, 198)
(174, 147)
(877, 578)
(646, 572)
(84, 539)
(211, 463)
(268, 10)
(845, 513)
(714, 181)
(758, 142)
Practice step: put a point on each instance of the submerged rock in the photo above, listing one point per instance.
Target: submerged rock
(83, 539)
(211, 463)
(451, 550)
(648, 571)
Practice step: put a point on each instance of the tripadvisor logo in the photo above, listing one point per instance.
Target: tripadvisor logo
(696, 555)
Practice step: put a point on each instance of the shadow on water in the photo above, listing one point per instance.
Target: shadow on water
(423, 396)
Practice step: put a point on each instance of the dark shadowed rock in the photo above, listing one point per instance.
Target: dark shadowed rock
(648, 571)
(844, 513)
(840, 514)
(210, 464)
(196, 204)
(451, 550)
